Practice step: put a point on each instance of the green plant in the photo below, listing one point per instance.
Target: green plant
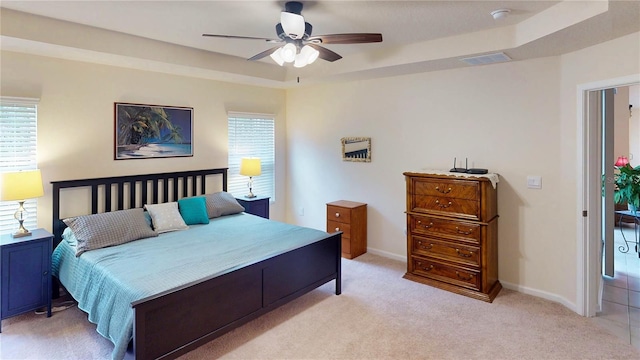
(627, 183)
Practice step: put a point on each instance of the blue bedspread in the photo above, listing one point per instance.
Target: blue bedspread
(106, 281)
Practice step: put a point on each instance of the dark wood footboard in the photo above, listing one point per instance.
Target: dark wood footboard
(172, 323)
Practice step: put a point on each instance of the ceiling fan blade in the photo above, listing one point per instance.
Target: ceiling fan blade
(264, 53)
(242, 37)
(355, 38)
(326, 54)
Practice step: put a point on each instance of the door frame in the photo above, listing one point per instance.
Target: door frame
(588, 228)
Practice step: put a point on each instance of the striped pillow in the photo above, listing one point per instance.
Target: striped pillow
(107, 229)
(222, 203)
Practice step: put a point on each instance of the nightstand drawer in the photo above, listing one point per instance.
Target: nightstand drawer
(338, 214)
(333, 226)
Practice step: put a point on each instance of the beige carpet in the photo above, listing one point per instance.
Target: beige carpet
(378, 316)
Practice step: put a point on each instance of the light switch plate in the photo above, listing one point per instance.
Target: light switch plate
(534, 182)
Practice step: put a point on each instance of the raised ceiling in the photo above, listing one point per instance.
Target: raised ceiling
(418, 35)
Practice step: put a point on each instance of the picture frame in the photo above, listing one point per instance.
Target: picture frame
(152, 131)
(356, 149)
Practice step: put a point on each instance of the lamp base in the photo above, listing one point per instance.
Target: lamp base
(250, 196)
(21, 215)
(21, 233)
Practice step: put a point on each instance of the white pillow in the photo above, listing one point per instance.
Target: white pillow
(166, 217)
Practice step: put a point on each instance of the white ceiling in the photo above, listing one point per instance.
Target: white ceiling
(417, 35)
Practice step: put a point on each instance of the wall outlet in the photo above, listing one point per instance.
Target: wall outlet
(300, 211)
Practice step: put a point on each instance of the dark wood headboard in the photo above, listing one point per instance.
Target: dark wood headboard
(112, 192)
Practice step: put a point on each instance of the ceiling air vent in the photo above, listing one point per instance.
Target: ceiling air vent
(486, 59)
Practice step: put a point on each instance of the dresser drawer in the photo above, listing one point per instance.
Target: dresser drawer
(339, 214)
(450, 229)
(446, 273)
(333, 226)
(446, 206)
(457, 189)
(467, 255)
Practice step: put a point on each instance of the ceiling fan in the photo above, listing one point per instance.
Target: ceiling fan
(300, 47)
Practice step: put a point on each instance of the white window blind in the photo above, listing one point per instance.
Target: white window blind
(18, 127)
(252, 135)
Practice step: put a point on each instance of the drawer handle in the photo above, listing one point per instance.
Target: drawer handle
(423, 247)
(463, 232)
(443, 191)
(425, 226)
(337, 214)
(425, 268)
(470, 254)
(45, 273)
(443, 205)
(464, 278)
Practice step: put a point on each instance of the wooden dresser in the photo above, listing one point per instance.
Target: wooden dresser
(452, 233)
(350, 217)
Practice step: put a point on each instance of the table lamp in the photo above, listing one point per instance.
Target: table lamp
(250, 167)
(20, 186)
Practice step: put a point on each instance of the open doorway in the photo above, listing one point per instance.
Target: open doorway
(615, 297)
(589, 241)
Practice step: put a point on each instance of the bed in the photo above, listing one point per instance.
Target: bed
(212, 278)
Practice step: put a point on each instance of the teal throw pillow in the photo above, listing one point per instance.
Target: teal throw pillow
(193, 210)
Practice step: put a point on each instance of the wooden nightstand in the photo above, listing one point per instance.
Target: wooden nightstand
(350, 217)
(25, 273)
(258, 205)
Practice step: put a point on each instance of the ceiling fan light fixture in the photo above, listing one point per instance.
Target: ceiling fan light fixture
(292, 24)
(277, 57)
(300, 61)
(309, 54)
(288, 52)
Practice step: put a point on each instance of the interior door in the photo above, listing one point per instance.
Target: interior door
(608, 218)
(600, 139)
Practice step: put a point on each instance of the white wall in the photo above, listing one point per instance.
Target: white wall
(634, 125)
(620, 124)
(76, 119)
(516, 119)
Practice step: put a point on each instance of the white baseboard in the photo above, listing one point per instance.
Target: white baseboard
(519, 288)
(387, 254)
(541, 294)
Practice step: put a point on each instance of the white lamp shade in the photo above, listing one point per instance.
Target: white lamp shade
(288, 52)
(301, 61)
(292, 24)
(313, 54)
(21, 185)
(277, 57)
(306, 56)
(250, 167)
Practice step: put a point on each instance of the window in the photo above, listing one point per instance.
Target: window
(252, 135)
(18, 120)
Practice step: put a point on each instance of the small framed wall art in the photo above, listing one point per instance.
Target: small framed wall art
(152, 131)
(356, 149)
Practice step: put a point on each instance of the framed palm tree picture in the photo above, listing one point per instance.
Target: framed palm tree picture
(152, 131)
